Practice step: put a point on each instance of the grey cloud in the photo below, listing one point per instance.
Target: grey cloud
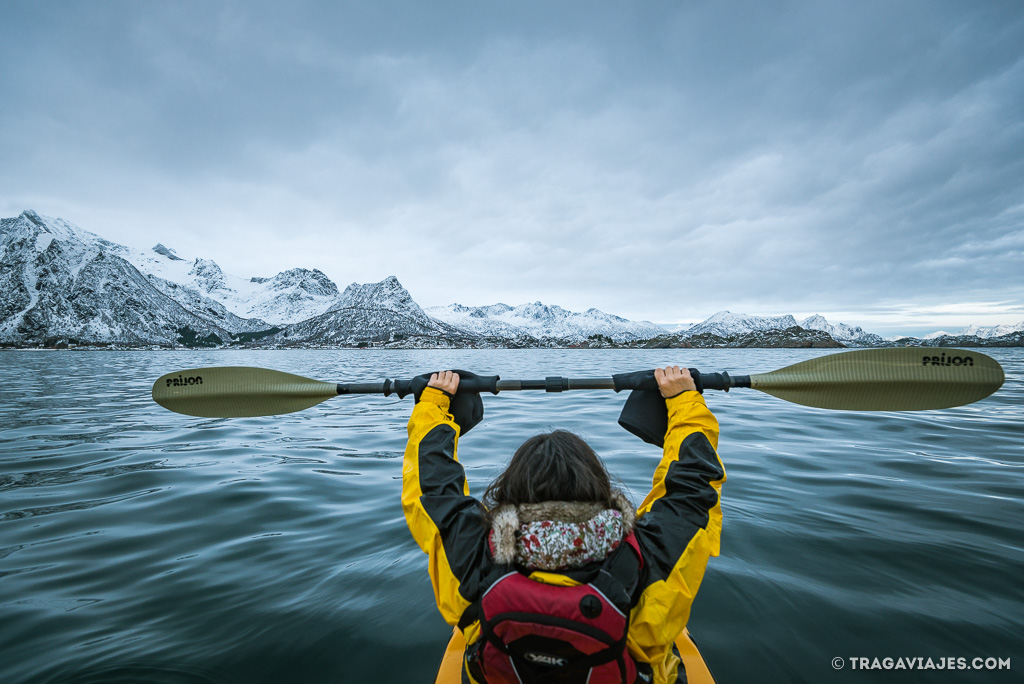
(660, 161)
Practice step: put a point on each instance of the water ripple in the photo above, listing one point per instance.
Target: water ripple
(154, 547)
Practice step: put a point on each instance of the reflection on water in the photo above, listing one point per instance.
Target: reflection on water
(141, 545)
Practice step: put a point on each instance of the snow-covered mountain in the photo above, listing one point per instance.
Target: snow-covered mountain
(991, 331)
(853, 335)
(208, 308)
(57, 280)
(839, 331)
(1007, 335)
(374, 312)
(481, 320)
(543, 321)
(288, 297)
(726, 324)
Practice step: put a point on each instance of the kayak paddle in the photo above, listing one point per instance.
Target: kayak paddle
(891, 379)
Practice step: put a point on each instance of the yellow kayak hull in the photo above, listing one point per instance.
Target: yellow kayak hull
(697, 671)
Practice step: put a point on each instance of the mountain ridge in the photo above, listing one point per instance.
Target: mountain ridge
(540, 320)
(61, 281)
(725, 324)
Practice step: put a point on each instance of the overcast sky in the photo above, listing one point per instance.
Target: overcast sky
(656, 160)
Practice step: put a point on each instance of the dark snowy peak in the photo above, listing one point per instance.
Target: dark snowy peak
(372, 313)
(167, 252)
(313, 282)
(44, 229)
(387, 294)
(207, 275)
(726, 323)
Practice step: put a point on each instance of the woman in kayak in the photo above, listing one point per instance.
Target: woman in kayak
(553, 520)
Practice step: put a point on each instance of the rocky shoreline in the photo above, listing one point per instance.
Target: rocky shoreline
(790, 338)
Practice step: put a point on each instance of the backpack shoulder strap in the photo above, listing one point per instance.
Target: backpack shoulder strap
(472, 612)
(619, 575)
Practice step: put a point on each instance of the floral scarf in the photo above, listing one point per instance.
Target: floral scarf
(558, 535)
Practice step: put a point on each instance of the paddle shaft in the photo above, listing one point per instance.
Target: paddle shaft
(554, 383)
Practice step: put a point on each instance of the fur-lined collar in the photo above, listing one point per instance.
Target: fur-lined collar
(507, 519)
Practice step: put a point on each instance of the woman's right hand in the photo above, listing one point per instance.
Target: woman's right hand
(673, 380)
(446, 381)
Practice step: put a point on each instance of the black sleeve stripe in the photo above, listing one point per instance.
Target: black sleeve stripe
(666, 529)
(440, 473)
(689, 479)
(458, 518)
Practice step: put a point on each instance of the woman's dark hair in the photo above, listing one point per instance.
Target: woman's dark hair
(556, 466)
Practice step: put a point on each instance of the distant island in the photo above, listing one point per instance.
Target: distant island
(63, 287)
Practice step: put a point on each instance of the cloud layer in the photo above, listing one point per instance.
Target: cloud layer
(660, 161)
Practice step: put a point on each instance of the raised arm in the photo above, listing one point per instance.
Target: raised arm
(680, 520)
(446, 522)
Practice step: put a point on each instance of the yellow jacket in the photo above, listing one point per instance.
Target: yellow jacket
(678, 527)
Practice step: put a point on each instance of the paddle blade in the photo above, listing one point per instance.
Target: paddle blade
(897, 379)
(237, 392)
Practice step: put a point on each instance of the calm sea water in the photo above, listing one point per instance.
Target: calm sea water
(141, 545)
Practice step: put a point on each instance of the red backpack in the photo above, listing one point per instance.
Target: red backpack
(536, 632)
